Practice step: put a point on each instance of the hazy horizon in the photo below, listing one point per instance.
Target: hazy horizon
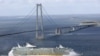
(50, 15)
(53, 7)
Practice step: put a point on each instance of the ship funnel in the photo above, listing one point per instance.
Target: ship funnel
(19, 46)
(29, 45)
(60, 46)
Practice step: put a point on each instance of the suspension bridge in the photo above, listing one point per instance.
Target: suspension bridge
(40, 31)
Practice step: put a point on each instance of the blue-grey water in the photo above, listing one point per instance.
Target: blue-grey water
(86, 41)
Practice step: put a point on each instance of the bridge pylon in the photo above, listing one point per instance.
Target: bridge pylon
(58, 31)
(39, 22)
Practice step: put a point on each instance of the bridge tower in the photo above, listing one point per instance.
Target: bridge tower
(58, 31)
(39, 22)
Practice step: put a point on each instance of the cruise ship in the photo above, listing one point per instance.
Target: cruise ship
(30, 50)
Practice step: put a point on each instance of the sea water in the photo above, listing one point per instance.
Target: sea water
(85, 42)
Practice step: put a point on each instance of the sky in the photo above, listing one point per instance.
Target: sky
(53, 7)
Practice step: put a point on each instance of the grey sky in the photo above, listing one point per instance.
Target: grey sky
(22, 7)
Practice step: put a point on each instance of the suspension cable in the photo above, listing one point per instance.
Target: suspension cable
(50, 19)
(21, 22)
(26, 18)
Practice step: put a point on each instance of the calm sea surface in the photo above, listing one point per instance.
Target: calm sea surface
(86, 41)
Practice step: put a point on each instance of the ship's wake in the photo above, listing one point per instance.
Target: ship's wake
(70, 51)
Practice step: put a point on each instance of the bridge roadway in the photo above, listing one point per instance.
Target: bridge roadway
(58, 31)
(76, 28)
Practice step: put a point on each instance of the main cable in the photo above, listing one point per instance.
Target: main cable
(50, 19)
(26, 18)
